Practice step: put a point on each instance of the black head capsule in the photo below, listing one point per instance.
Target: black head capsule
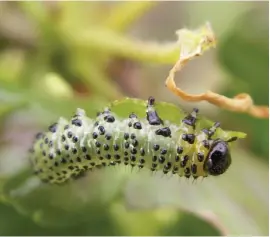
(218, 158)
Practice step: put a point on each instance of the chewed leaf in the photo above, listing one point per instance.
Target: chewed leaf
(193, 44)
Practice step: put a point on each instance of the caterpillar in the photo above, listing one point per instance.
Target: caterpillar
(157, 136)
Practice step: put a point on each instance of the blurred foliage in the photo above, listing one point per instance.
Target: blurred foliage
(244, 53)
(57, 56)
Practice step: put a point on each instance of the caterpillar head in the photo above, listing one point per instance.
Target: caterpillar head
(219, 157)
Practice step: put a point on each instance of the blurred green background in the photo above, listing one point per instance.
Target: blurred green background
(57, 56)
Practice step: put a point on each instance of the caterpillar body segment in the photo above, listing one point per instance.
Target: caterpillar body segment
(144, 134)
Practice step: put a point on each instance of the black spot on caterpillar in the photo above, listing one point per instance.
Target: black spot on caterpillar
(156, 136)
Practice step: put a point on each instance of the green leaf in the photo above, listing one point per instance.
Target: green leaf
(61, 205)
(14, 224)
(88, 205)
(161, 221)
(238, 198)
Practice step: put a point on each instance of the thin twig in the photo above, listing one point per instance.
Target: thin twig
(192, 47)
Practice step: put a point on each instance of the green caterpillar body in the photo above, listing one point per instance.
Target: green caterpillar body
(156, 136)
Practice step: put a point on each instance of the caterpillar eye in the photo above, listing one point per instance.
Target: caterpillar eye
(218, 159)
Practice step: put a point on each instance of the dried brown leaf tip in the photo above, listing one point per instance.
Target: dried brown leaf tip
(193, 44)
